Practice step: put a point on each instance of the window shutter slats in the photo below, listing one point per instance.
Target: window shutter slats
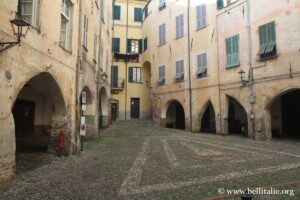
(128, 45)
(141, 46)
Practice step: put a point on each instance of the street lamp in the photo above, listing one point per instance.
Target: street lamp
(20, 29)
(242, 76)
(104, 76)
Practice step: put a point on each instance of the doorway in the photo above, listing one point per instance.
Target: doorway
(135, 108)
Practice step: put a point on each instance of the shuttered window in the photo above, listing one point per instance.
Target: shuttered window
(201, 16)
(179, 77)
(133, 46)
(162, 4)
(267, 40)
(162, 34)
(114, 76)
(65, 27)
(85, 30)
(179, 26)
(220, 4)
(134, 75)
(201, 65)
(232, 51)
(161, 75)
(117, 12)
(145, 43)
(95, 47)
(138, 14)
(116, 44)
(30, 11)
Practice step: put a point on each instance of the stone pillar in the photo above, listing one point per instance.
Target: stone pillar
(7, 149)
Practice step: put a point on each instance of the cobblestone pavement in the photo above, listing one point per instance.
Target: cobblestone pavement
(138, 160)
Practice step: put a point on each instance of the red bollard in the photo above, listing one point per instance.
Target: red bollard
(61, 142)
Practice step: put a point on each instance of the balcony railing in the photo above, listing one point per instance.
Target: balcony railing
(117, 85)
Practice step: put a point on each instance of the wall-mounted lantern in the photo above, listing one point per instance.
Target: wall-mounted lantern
(242, 77)
(20, 29)
(104, 76)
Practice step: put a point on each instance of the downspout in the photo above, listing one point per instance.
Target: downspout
(77, 92)
(126, 62)
(251, 76)
(189, 67)
(219, 81)
(98, 78)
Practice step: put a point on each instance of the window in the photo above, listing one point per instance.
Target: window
(29, 10)
(220, 4)
(202, 65)
(267, 41)
(201, 16)
(114, 76)
(232, 51)
(65, 29)
(85, 30)
(134, 46)
(116, 44)
(179, 26)
(134, 75)
(146, 12)
(179, 71)
(117, 12)
(161, 75)
(162, 4)
(101, 57)
(162, 34)
(145, 43)
(95, 47)
(138, 14)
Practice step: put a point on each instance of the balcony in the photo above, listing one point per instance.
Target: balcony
(117, 86)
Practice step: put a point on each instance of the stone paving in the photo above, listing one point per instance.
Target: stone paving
(138, 160)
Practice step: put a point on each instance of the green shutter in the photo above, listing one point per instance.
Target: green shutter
(228, 52)
(117, 12)
(114, 76)
(220, 4)
(128, 45)
(141, 46)
(138, 14)
(130, 75)
(145, 43)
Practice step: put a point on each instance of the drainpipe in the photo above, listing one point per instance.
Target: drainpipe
(251, 76)
(189, 67)
(98, 78)
(77, 92)
(126, 63)
(219, 80)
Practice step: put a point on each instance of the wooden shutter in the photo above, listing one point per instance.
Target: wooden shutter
(128, 45)
(228, 52)
(141, 46)
(130, 75)
(220, 4)
(117, 12)
(115, 76)
(145, 43)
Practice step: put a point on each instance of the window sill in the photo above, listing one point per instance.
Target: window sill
(201, 27)
(136, 82)
(268, 58)
(232, 67)
(162, 44)
(202, 77)
(66, 50)
(181, 36)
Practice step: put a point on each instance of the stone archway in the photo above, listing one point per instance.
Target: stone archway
(146, 106)
(208, 119)
(285, 110)
(237, 118)
(103, 109)
(40, 114)
(173, 115)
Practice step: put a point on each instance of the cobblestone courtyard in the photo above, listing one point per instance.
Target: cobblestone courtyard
(137, 160)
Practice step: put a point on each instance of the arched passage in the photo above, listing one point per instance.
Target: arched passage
(174, 115)
(208, 119)
(103, 108)
(285, 112)
(39, 115)
(237, 118)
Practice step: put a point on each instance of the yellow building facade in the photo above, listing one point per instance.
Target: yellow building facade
(130, 80)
